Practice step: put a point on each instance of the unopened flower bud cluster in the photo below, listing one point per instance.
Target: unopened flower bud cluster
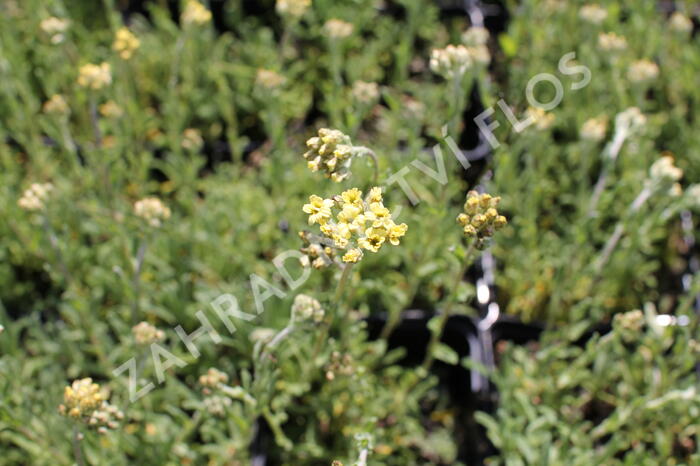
(125, 43)
(146, 334)
(480, 219)
(307, 308)
(340, 364)
(331, 152)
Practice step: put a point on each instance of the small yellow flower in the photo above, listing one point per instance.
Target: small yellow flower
(125, 43)
(593, 13)
(365, 92)
(643, 71)
(594, 129)
(195, 13)
(319, 209)
(95, 76)
(353, 255)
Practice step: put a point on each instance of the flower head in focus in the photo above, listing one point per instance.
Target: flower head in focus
(95, 76)
(337, 28)
(125, 43)
(152, 210)
(480, 219)
(34, 198)
(353, 224)
(195, 13)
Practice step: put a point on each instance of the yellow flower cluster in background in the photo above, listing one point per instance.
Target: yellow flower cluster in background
(453, 60)
(331, 151)
(56, 105)
(125, 43)
(152, 210)
(81, 399)
(480, 218)
(358, 224)
(35, 196)
(292, 8)
(146, 334)
(95, 76)
(195, 13)
(55, 28)
(337, 28)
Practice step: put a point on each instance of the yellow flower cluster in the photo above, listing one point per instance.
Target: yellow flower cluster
(152, 210)
(330, 151)
(35, 196)
(145, 334)
(195, 13)
(292, 8)
(81, 399)
(611, 42)
(125, 43)
(480, 218)
(359, 223)
(95, 76)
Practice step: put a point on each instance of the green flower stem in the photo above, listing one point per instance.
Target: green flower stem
(437, 333)
(136, 281)
(94, 120)
(77, 451)
(362, 151)
(53, 241)
(337, 300)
